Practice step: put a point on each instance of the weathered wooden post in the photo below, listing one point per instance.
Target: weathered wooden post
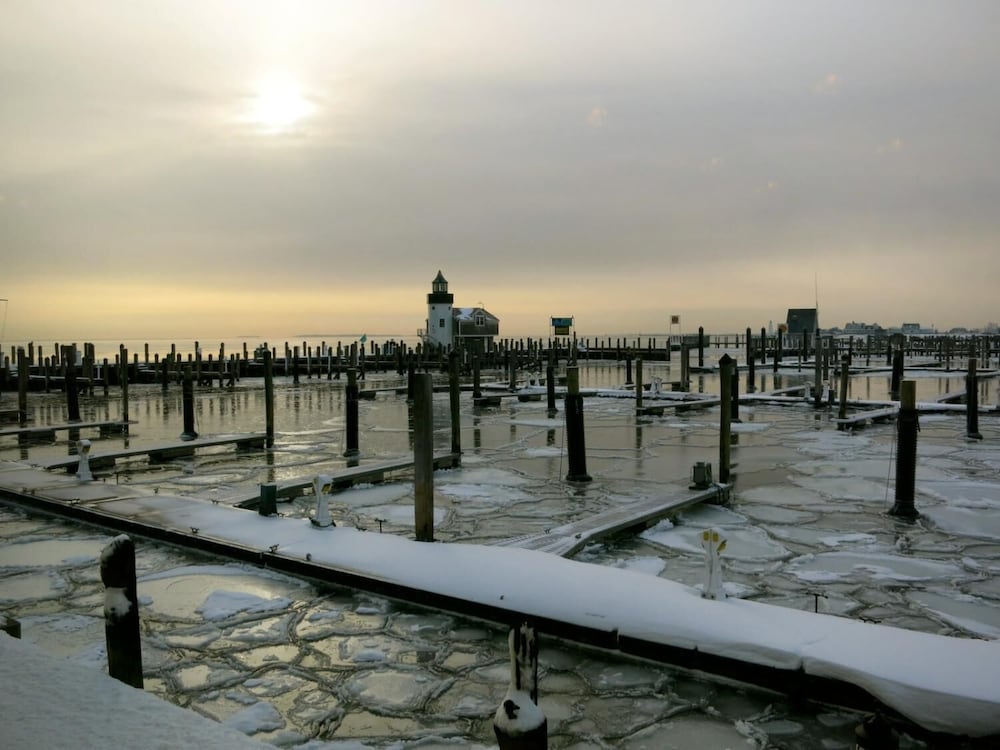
(454, 403)
(268, 399)
(411, 374)
(972, 402)
(685, 366)
(897, 373)
(351, 450)
(844, 378)
(268, 505)
(638, 385)
(550, 390)
(701, 346)
(121, 611)
(423, 457)
(628, 368)
(123, 382)
(575, 442)
(187, 395)
(72, 391)
(817, 372)
(22, 387)
(725, 427)
(734, 395)
(477, 391)
(519, 724)
(906, 452)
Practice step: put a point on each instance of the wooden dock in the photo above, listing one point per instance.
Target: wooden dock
(158, 453)
(41, 432)
(570, 538)
(341, 480)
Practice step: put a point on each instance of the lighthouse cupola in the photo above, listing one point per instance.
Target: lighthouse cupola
(440, 324)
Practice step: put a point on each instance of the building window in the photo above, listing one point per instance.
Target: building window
(480, 320)
(440, 322)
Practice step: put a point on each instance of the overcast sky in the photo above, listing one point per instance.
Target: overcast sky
(224, 168)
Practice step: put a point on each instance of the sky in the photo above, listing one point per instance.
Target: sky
(227, 167)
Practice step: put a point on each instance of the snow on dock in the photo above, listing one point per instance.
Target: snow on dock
(163, 452)
(943, 684)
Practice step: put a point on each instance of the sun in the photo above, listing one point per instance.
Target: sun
(278, 105)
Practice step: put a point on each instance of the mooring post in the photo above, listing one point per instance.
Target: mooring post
(351, 449)
(477, 391)
(575, 442)
(72, 391)
(972, 402)
(121, 611)
(734, 395)
(725, 427)
(123, 382)
(907, 427)
(454, 404)
(844, 378)
(268, 505)
(187, 394)
(268, 398)
(519, 724)
(22, 387)
(638, 385)
(550, 390)
(701, 346)
(411, 374)
(423, 457)
(685, 366)
(897, 373)
(628, 368)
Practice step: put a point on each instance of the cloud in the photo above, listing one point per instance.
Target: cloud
(597, 117)
(712, 165)
(829, 84)
(893, 146)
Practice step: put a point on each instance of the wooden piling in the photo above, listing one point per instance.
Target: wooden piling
(972, 402)
(550, 390)
(351, 417)
(638, 385)
(906, 452)
(187, 392)
(121, 611)
(454, 391)
(72, 393)
(844, 378)
(423, 457)
(123, 382)
(268, 398)
(22, 387)
(725, 427)
(575, 442)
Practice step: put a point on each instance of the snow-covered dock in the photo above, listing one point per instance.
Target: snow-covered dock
(942, 684)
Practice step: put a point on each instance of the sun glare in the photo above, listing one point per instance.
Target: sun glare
(278, 105)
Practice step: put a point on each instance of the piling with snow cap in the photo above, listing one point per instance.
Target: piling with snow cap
(121, 611)
(907, 427)
(519, 724)
(575, 441)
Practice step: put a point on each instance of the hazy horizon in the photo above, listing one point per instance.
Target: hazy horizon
(224, 166)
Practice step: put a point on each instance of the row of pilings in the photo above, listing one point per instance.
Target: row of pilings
(47, 366)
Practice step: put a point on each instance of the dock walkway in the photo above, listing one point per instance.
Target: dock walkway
(570, 538)
(49, 430)
(158, 453)
(951, 688)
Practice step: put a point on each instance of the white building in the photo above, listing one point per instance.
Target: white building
(472, 328)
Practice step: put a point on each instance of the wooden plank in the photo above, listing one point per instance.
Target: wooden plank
(344, 478)
(158, 452)
(568, 539)
(45, 430)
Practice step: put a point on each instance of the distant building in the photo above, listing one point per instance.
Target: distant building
(863, 329)
(472, 328)
(802, 320)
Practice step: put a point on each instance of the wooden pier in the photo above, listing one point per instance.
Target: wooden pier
(158, 453)
(570, 538)
(48, 432)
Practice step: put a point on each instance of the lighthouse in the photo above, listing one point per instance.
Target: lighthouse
(439, 313)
